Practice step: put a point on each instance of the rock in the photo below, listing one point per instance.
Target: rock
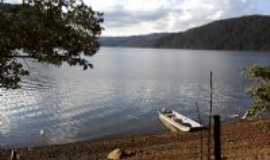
(129, 153)
(230, 140)
(18, 157)
(116, 154)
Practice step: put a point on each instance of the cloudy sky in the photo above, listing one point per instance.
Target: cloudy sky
(133, 17)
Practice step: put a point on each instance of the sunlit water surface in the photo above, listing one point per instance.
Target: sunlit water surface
(122, 94)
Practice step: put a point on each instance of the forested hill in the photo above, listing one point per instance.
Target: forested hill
(149, 40)
(243, 33)
(5, 7)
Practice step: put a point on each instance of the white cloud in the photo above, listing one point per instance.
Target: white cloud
(103, 5)
(129, 17)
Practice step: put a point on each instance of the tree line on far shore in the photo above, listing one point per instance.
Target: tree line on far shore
(242, 33)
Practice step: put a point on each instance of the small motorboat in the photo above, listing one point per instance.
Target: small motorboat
(177, 122)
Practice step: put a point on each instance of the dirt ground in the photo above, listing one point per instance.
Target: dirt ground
(243, 140)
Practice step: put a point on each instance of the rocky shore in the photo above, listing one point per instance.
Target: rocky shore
(241, 140)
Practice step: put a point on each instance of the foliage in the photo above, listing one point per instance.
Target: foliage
(262, 126)
(51, 31)
(261, 91)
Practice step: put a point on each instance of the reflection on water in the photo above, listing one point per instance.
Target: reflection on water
(121, 95)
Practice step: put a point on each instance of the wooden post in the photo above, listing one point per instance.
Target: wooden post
(13, 155)
(210, 116)
(217, 144)
(200, 121)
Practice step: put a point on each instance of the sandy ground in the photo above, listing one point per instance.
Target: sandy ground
(243, 140)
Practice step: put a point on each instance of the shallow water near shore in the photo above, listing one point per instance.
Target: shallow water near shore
(122, 94)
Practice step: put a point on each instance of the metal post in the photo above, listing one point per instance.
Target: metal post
(210, 116)
(217, 144)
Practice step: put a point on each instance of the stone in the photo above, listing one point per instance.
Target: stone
(129, 153)
(116, 154)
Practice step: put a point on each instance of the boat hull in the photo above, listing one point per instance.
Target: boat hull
(168, 126)
(172, 125)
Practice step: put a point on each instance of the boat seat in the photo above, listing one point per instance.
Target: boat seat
(178, 121)
(187, 124)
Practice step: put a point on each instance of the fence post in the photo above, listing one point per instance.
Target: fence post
(217, 144)
(13, 155)
(210, 117)
(200, 121)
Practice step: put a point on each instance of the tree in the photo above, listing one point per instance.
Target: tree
(260, 91)
(51, 31)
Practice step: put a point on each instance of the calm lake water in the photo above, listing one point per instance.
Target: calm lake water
(122, 94)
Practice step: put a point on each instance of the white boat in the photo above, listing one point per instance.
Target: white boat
(178, 122)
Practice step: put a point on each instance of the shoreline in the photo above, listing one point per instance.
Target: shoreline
(245, 139)
(163, 130)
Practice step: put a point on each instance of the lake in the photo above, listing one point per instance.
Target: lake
(122, 94)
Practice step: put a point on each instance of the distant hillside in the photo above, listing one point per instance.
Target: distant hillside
(149, 40)
(8, 7)
(243, 33)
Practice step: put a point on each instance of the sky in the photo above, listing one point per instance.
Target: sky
(135, 17)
